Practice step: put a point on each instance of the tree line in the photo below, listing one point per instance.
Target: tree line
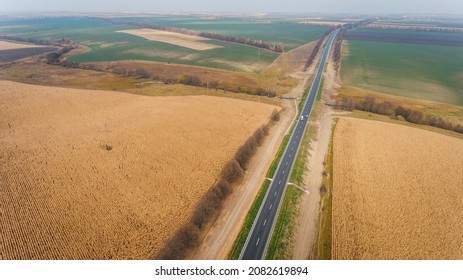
(59, 43)
(276, 47)
(191, 80)
(315, 50)
(415, 28)
(54, 58)
(211, 204)
(340, 38)
(369, 104)
(337, 48)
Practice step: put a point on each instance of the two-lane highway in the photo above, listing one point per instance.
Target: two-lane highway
(259, 238)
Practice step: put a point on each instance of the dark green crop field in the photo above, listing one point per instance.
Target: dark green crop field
(430, 72)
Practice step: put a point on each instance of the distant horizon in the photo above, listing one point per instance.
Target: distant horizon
(355, 7)
(225, 13)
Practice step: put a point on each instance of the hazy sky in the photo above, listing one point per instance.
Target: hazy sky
(302, 6)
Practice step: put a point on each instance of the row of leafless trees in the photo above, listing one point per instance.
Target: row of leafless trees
(192, 81)
(141, 73)
(315, 50)
(210, 205)
(415, 28)
(369, 104)
(55, 57)
(276, 47)
(340, 38)
(337, 48)
(62, 42)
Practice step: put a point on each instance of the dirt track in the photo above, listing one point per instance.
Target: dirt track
(63, 196)
(306, 231)
(220, 239)
(218, 242)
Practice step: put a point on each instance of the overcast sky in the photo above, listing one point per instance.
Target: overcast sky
(245, 6)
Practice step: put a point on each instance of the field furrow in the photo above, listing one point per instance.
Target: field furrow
(64, 196)
(397, 192)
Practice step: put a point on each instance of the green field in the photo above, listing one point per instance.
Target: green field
(290, 35)
(429, 72)
(109, 45)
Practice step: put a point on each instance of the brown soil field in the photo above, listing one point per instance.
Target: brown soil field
(63, 196)
(178, 39)
(5, 45)
(16, 54)
(396, 192)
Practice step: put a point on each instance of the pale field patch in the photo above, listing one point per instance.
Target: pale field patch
(4, 45)
(330, 23)
(178, 39)
(63, 196)
(397, 192)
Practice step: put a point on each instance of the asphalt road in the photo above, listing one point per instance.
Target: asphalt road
(259, 238)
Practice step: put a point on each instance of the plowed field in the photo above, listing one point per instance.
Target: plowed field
(64, 196)
(397, 192)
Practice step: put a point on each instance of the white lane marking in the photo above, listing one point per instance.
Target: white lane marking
(286, 164)
(290, 155)
(279, 182)
(258, 239)
(275, 193)
(284, 171)
(265, 222)
(270, 208)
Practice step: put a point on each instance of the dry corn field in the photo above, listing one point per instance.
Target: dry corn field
(397, 192)
(64, 196)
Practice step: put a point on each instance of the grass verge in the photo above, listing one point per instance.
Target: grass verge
(251, 216)
(320, 90)
(322, 247)
(281, 242)
(243, 235)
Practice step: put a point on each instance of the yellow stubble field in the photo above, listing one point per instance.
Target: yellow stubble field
(5, 45)
(64, 196)
(183, 40)
(397, 192)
